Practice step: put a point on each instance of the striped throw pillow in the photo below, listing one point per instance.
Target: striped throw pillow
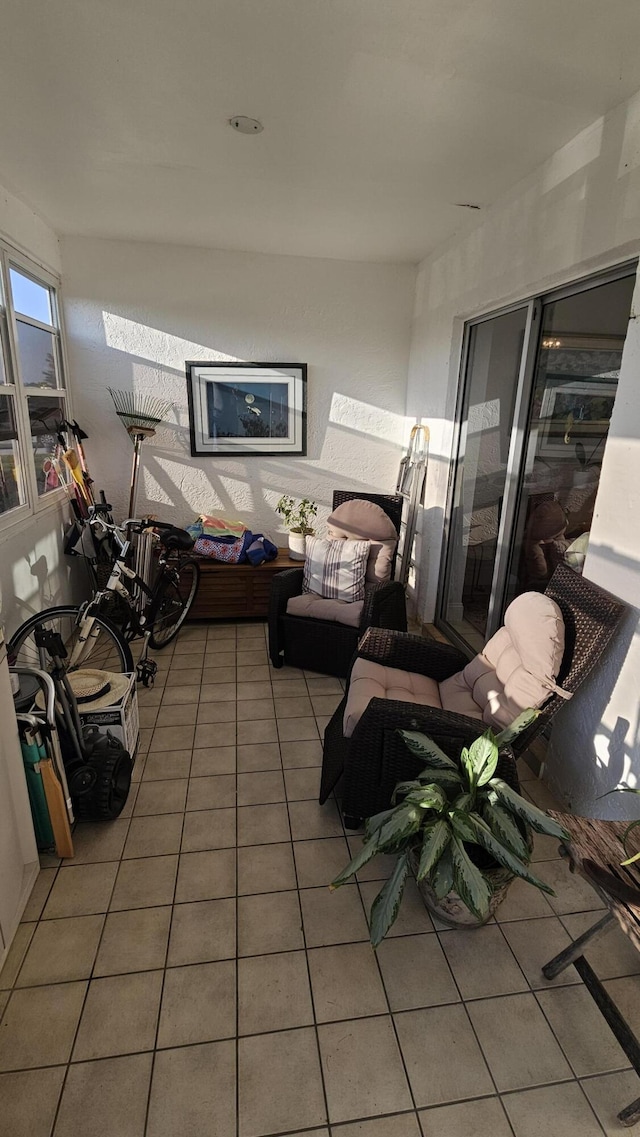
(335, 569)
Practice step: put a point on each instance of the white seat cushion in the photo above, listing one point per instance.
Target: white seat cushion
(359, 519)
(373, 681)
(317, 608)
(517, 668)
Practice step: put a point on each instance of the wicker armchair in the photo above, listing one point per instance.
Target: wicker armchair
(375, 758)
(322, 645)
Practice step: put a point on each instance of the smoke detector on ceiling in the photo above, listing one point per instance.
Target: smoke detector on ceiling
(245, 125)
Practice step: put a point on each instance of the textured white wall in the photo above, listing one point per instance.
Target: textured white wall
(136, 312)
(33, 570)
(577, 213)
(26, 231)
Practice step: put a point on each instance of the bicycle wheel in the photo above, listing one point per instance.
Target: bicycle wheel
(105, 649)
(170, 607)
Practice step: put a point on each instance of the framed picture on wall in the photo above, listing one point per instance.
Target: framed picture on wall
(575, 412)
(247, 408)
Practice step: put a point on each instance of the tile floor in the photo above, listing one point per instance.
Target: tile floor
(190, 973)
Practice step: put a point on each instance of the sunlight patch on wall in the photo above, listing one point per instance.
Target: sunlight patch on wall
(630, 149)
(578, 153)
(377, 422)
(156, 346)
(601, 747)
(199, 490)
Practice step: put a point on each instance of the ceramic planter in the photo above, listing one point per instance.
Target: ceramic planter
(451, 910)
(296, 546)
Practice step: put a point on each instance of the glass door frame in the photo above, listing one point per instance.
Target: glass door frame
(517, 445)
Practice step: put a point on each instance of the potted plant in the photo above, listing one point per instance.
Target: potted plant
(297, 518)
(462, 829)
(586, 474)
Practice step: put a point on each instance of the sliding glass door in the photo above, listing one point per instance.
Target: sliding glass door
(538, 387)
(494, 352)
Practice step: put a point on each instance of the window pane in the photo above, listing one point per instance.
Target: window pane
(29, 298)
(45, 416)
(576, 377)
(10, 482)
(37, 356)
(495, 350)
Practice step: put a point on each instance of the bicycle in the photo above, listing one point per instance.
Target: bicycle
(86, 636)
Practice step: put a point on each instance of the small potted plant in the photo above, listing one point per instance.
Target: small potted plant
(297, 518)
(462, 830)
(588, 467)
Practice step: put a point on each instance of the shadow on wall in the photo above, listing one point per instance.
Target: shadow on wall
(595, 742)
(351, 435)
(35, 574)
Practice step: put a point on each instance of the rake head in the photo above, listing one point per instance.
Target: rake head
(140, 414)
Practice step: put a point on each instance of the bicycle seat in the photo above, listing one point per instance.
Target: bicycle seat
(176, 539)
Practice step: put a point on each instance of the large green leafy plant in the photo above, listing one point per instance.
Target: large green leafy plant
(445, 814)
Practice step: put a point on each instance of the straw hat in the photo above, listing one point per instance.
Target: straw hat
(95, 689)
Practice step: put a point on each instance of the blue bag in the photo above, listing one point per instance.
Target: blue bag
(260, 550)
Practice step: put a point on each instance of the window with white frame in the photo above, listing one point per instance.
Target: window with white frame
(33, 398)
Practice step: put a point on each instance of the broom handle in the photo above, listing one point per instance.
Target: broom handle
(135, 470)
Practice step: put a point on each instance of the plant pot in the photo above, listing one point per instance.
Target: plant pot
(296, 546)
(451, 910)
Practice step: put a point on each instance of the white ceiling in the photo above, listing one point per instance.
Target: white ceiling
(379, 115)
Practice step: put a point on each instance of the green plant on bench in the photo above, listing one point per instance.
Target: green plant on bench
(457, 823)
(297, 518)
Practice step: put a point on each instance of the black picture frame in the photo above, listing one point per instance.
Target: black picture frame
(247, 409)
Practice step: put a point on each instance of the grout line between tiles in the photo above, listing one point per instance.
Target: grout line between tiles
(473, 1029)
(392, 1017)
(88, 985)
(567, 1082)
(237, 967)
(308, 968)
(164, 975)
(334, 1128)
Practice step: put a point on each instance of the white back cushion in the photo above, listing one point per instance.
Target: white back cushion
(359, 519)
(517, 668)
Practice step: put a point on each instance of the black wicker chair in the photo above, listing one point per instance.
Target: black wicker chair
(375, 758)
(321, 645)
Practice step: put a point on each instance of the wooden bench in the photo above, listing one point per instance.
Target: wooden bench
(227, 592)
(601, 843)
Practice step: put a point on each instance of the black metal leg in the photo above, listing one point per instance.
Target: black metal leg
(610, 1012)
(351, 822)
(630, 1114)
(576, 949)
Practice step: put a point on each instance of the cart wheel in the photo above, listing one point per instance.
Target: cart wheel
(106, 800)
(82, 780)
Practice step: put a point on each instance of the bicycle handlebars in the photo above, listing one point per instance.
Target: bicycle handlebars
(136, 524)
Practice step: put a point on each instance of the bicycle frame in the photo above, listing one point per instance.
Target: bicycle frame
(137, 596)
(114, 585)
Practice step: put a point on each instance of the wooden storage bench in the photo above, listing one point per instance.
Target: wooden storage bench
(226, 592)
